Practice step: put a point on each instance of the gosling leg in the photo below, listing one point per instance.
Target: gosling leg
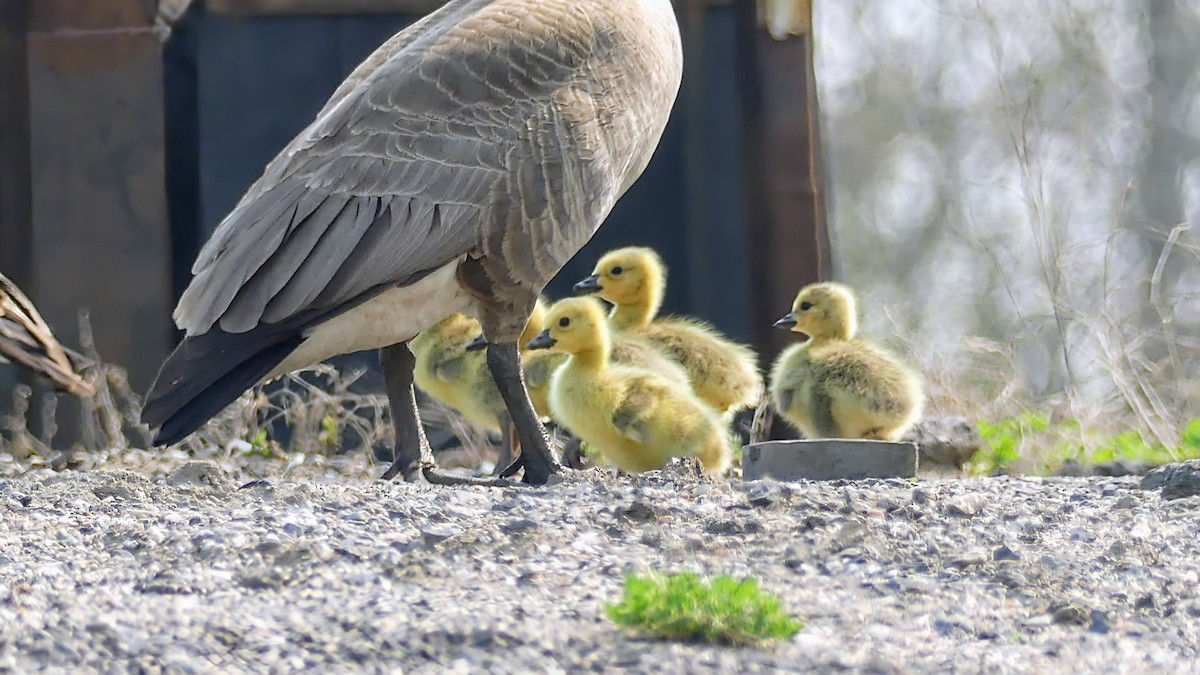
(504, 362)
(413, 458)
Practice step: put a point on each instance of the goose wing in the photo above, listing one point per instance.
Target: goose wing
(402, 172)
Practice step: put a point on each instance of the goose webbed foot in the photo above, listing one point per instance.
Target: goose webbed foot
(434, 476)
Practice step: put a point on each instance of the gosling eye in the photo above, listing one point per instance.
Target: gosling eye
(564, 322)
(616, 271)
(805, 306)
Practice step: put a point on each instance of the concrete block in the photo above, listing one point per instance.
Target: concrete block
(828, 459)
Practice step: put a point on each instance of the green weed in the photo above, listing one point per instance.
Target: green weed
(1012, 440)
(685, 607)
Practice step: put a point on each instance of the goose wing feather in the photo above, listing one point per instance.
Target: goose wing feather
(399, 174)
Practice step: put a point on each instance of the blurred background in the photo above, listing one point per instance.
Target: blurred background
(1009, 185)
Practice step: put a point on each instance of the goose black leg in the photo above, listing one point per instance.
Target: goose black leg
(412, 449)
(504, 362)
(413, 458)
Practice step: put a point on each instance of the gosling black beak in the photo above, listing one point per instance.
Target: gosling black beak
(787, 323)
(589, 285)
(477, 344)
(542, 340)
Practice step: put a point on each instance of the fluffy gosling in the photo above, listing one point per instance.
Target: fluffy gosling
(451, 372)
(636, 418)
(539, 365)
(837, 385)
(722, 373)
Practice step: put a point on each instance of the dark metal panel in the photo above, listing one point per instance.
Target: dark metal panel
(716, 225)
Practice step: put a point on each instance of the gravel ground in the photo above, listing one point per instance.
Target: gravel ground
(112, 570)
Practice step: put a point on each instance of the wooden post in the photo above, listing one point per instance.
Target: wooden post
(98, 229)
(789, 241)
(14, 143)
(14, 158)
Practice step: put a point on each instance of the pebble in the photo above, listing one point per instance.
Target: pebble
(967, 505)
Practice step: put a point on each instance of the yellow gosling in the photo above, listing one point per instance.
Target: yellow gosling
(636, 418)
(539, 365)
(838, 385)
(459, 378)
(723, 373)
(451, 371)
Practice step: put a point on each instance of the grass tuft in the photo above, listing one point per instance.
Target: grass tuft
(685, 607)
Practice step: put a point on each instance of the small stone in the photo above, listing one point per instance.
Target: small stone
(199, 473)
(1012, 579)
(1176, 480)
(1004, 553)
(1147, 602)
(967, 506)
(1126, 502)
(1099, 622)
(1072, 614)
(436, 534)
(638, 510)
(1082, 534)
(519, 525)
(948, 441)
(1154, 479)
(962, 562)
(764, 494)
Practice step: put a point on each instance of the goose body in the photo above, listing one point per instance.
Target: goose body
(635, 417)
(456, 170)
(836, 384)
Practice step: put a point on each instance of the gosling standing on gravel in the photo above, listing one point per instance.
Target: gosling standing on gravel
(836, 385)
(637, 418)
(723, 373)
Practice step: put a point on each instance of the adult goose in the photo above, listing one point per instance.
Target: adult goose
(457, 169)
(25, 339)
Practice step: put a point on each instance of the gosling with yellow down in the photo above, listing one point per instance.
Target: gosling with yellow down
(635, 417)
(836, 384)
(723, 373)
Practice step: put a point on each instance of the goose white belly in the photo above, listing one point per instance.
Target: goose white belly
(391, 317)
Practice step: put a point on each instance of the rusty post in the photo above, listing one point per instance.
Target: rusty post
(789, 241)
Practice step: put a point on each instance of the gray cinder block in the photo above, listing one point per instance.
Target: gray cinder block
(828, 459)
